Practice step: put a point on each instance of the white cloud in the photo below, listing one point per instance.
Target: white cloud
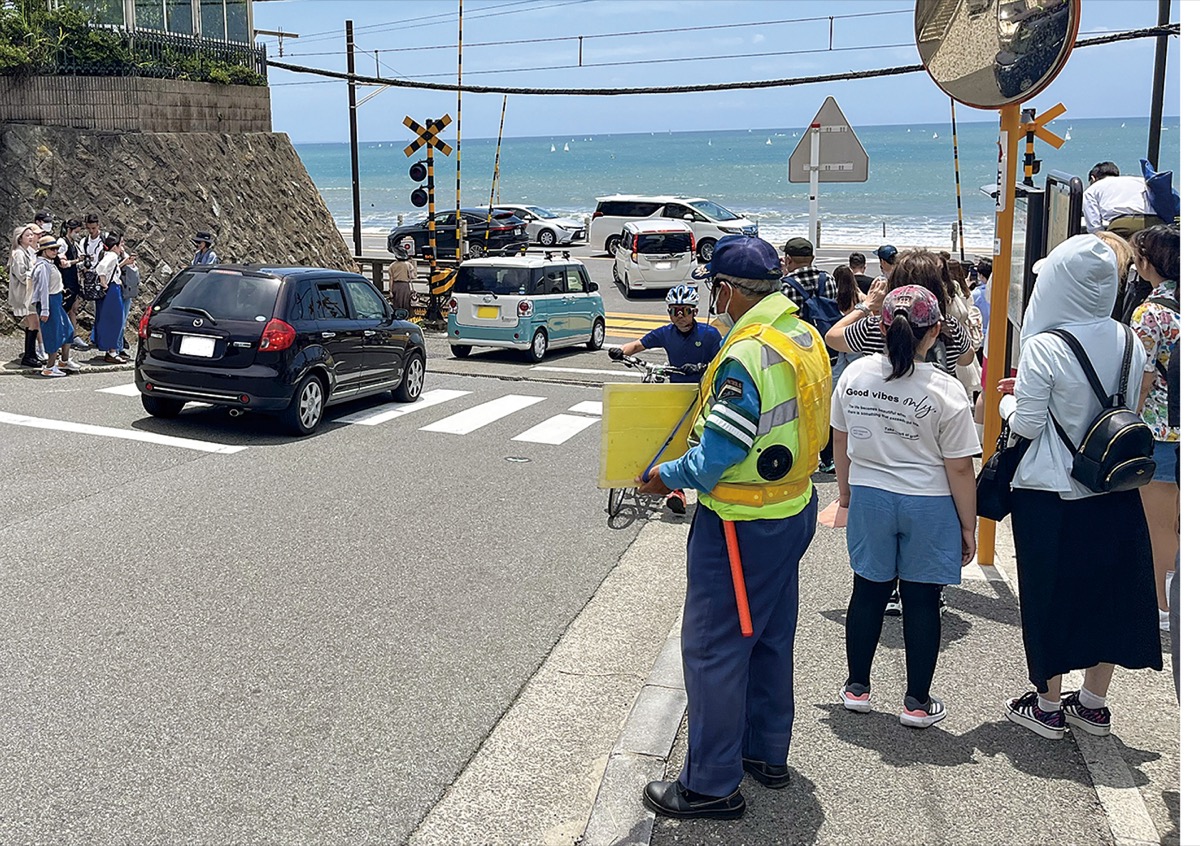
(758, 38)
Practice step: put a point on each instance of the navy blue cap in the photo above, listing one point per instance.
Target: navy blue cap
(887, 253)
(741, 256)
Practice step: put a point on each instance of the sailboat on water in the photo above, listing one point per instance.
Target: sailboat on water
(552, 149)
(566, 148)
(935, 135)
(1067, 137)
(768, 141)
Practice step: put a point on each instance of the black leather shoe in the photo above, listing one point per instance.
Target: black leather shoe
(672, 799)
(773, 776)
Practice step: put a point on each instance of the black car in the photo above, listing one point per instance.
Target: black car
(506, 235)
(282, 340)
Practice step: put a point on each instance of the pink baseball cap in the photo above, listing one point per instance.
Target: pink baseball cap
(918, 304)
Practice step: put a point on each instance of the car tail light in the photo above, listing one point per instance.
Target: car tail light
(524, 308)
(692, 236)
(453, 306)
(276, 336)
(144, 324)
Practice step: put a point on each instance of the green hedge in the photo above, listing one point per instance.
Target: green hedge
(35, 40)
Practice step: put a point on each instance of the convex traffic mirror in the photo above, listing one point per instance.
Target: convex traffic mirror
(989, 53)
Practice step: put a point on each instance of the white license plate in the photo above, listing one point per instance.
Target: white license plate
(197, 346)
(663, 265)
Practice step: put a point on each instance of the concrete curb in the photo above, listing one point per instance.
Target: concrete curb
(32, 373)
(640, 753)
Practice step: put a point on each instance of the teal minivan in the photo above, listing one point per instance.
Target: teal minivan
(533, 303)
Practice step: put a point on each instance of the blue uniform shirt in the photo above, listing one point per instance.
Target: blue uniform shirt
(700, 346)
(726, 438)
(205, 257)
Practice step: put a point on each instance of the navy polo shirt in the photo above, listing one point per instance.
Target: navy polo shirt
(700, 346)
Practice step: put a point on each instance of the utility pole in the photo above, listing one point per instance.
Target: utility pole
(353, 95)
(1160, 74)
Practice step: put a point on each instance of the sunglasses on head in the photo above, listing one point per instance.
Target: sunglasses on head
(680, 311)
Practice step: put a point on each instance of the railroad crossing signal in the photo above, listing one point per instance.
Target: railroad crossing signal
(427, 135)
(417, 173)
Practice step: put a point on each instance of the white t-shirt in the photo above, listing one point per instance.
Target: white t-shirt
(900, 433)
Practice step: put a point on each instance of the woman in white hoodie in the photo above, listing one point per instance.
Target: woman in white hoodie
(1084, 566)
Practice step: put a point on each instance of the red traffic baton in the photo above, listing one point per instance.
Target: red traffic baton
(739, 580)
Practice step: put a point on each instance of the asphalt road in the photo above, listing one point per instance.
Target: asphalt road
(297, 641)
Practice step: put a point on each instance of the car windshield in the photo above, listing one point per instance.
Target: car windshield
(222, 295)
(493, 280)
(664, 242)
(712, 210)
(541, 212)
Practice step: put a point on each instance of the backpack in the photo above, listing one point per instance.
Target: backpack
(821, 312)
(1116, 452)
(89, 285)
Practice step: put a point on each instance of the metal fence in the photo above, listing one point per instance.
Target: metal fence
(163, 55)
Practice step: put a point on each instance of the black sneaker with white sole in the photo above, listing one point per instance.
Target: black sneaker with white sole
(1097, 721)
(1024, 711)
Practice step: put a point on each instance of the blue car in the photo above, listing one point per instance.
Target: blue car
(530, 303)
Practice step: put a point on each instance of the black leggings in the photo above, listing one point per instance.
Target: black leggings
(922, 631)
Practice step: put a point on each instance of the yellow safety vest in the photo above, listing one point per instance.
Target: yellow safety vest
(789, 365)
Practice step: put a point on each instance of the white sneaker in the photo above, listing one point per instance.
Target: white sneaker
(50, 372)
(922, 715)
(72, 366)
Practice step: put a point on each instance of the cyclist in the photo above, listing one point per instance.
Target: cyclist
(687, 342)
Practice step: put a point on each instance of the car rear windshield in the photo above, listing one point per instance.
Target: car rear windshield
(493, 280)
(664, 242)
(222, 295)
(714, 211)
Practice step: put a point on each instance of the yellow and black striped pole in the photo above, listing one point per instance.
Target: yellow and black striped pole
(492, 198)
(1030, 162)
(957, 183)
(458, 233)
(434, 315)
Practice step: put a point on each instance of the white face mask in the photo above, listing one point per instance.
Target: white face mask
(47, 227)
(721, 321)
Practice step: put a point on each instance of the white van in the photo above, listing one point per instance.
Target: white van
(709, 221)
(656, 253)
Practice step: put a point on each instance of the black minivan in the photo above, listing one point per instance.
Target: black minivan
(282, 340)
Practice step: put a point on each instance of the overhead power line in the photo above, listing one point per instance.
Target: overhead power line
(575, 38)
(1129, 35)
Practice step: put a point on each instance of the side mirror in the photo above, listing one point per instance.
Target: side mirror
(400, 314)
(689, 217)
(593, 287)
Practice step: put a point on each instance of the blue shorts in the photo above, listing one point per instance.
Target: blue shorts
(917, 538)
(1166, 456)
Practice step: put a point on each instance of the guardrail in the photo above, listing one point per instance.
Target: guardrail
(163, 55)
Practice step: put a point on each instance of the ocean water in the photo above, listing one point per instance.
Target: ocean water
(909, 193)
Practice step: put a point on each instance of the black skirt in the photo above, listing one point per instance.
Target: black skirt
(1086, 578)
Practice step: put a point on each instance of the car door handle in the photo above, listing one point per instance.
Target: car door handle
(329, 334)
(368, 333)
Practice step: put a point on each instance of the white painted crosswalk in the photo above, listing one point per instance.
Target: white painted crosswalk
(466, 415)
(481, 415)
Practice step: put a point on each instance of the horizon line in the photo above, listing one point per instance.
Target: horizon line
(1145, 118)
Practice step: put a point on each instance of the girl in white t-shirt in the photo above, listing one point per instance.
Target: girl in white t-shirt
(903, 441)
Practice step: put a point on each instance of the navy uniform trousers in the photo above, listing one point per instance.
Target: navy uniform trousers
(739, 689)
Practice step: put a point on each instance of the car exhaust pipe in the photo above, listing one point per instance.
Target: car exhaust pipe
(236, 412)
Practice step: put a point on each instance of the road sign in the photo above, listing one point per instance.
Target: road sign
(427, 135)
(842, 157)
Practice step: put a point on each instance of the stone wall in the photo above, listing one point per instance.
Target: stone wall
(131, 103)
(251, 190)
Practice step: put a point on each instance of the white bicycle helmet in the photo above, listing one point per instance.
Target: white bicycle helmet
(683, 295)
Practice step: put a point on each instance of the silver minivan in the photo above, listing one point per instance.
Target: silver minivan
(654, 254)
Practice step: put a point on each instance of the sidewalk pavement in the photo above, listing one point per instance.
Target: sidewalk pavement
(91, 360)
(975, 778)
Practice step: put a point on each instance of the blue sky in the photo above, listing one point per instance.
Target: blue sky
(1103, 81)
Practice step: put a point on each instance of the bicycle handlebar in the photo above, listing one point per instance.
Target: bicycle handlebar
(654, 369)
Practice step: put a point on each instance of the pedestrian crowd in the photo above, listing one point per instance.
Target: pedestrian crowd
(890, 371)
(52, 279)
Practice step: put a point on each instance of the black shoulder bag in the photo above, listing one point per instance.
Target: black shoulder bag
(993, 486)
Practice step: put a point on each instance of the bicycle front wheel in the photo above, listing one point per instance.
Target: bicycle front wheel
(616, 498)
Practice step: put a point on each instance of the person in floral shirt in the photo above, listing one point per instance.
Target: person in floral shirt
(1156, 322)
